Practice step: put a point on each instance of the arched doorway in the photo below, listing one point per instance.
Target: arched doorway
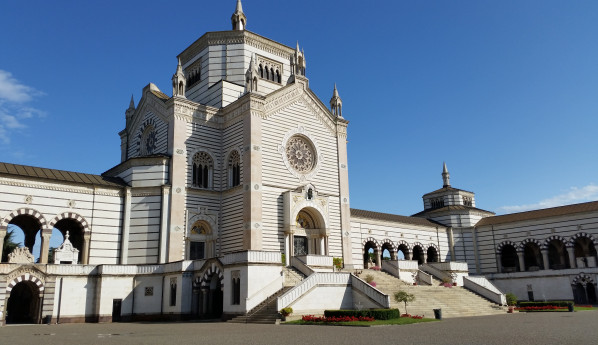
(418, 254)
(310, 237)
(432, 254)
(214, 298)
(23, 305)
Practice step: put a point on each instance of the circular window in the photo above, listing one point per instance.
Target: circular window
(148, 141)
(301, 154)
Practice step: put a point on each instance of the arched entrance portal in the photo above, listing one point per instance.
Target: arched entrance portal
(24, 304)
(309, 234)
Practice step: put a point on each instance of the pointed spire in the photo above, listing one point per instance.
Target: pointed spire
(179, 81)
(132, 103)
(445, 176)
(336, 104)
(297, 49)
(239, 19)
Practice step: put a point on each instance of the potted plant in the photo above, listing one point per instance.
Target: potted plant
(286, 312)
(511, 302)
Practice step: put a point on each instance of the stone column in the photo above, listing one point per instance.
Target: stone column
(571, 252)
(45, 236)
(545, 258)
(378, 253)
(393, 255)
(85, 249)
(326, 252)
(2, 235)
(164, 223)
(424, 256)
(521, 258)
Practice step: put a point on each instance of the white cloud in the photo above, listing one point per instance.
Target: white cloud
(13, 109)
(573, 196)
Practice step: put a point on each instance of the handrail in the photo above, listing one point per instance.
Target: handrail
(301, 266)
(264, 291)
(391, 267)
(483, 287)
(314, 279)
(424, 277)
(435, 272)
(376, 295)
(250, 313)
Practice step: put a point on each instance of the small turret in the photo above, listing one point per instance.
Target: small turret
(336, 104)
(129, 112)
(251, 76)
(445, 176)
(239, 20)
(298, 62)
(179, 82)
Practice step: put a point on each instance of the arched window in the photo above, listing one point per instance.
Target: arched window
(203, 167)
(272, 74)
(432, 254)
(267, 73)
(585, 251)
(234, 169)
(558, 258)
(278, 79)
(261, 71)
(532, 257)
(509, 259)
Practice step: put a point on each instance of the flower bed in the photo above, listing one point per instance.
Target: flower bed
(417, 317)
(311, 318)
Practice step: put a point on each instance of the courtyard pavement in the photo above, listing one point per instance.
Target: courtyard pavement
(518, 328)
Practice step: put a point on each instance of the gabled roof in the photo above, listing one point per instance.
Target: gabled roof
(393, 218)
(449, 208)
(537, 214)
(16, 170)
(164, 97)
(446, 189)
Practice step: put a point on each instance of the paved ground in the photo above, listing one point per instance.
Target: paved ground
(518, 328)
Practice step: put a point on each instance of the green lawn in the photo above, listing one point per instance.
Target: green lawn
(399, 321)
(558, 310)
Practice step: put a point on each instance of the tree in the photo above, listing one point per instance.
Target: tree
(405, 297)
(9, 245)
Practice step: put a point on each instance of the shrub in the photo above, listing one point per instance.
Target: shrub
(311, 318)
(511, 299)
(369, 278)
(286, 311)
(378, 314)
(543, 304)
(375, 268)
(338, 263)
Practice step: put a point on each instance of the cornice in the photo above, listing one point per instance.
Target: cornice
(26, 183)
(136, 162)
(147, 191)
(234, 37)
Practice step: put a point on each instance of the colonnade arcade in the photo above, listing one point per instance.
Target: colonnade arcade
(555, 252)
(373, 251)
(31, 223)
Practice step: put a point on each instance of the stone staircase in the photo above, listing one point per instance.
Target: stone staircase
(266, 312)
(455, 301)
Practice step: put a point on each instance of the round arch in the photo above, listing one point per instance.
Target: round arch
(433, 253)
(404, 247)
(388, 245)
(532, 256)
(24, 211)
(418, 253)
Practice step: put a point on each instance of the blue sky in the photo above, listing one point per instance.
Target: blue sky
(504, 91)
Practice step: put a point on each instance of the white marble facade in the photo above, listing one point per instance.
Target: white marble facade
(241, 167)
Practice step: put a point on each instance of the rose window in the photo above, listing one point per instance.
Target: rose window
(300, 154)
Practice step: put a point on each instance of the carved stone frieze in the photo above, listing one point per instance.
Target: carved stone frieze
(20, 255)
